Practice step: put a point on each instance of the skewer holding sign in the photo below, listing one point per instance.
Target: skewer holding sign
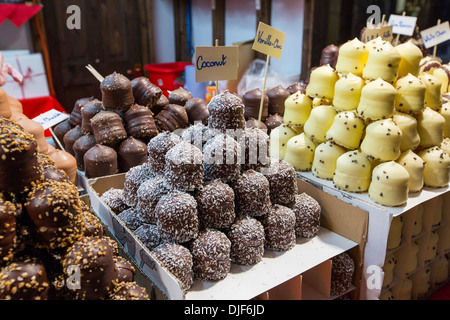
(268, 41)
(95, 73)
(435, 47)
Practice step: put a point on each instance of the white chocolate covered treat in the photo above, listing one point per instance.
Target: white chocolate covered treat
(415, 167)
(353, 172)
(424, 281)
(418, 222)
(439, 269)
(395, 232)
(297, 109)
(428, 64)
(386, 295)
(388, 268)
(408, 126)
(433, 95)
(412, 260)
(382, 140)
(383, 62)
(389, 186)
(346, 130)
(377, 100)
(352, 57)
(374, 43)
(445, 112)
(431, 246)
(410, 96)
(322, 82)
(318, 123)
(300, 152)
(278, 140)
(437, 166)
(321, 102)
(347, 92)
(325, 158)
(404, 290)
(411, 56)
(445, 145)
(443, 74)
(430, 126)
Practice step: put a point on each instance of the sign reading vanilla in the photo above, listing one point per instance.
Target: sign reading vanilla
(216, 63)
(436, 35)
(269, 41)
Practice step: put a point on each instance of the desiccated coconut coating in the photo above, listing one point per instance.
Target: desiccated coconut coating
(226, 112)
(283, 182)
(149, 236)
(178, 261)
(252, 193)
(157, 149)
(279, 230)
(211, 255)
(222, 159)
(133, 180)
(177, 217)
(113, 198)
(8, 231)
(307, 216)
(247, 241)
(148, 196)
(255, 149)
(130, 218)
(342, 270)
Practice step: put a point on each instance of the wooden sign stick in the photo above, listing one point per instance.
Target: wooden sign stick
(397, 39)
(435, 47)
(217, 82)
(263, 93)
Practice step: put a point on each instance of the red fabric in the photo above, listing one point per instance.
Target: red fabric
(19, 14)
(441, 294)
(37, 106)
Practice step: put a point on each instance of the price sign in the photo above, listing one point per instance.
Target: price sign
(216, 63)
(51, 118)
(269, 41)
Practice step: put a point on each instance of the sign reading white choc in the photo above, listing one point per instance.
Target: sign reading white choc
(244, 309)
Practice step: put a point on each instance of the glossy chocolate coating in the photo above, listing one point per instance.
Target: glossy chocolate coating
(145, 93)
(117, 92)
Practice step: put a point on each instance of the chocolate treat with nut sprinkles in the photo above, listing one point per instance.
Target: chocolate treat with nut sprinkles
(177, 217)
(148, 196)
(216, 205)
(49, 169)
(252, 194)
(342, 270)
(157, 149)
(100, 161)
(279, 230)
(247, 241)
(132, 152)
(211, 255)
(145, 93)
(108, 128)
(184, 167)
(113, 198)
(98, 272)
(90, 110)
(133, 180)
(307, 216)
(125, 269)
(93, 225)
(222, 158)
(283, 182)
(177, 259)
(25, 279)
(117, 92)
(126, 290)
(139, 123)
(226, 112)
(149, 236)
(179, 96)
(8, 232)
(172, 117)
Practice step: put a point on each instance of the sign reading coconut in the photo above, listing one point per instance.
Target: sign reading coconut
(216, 63)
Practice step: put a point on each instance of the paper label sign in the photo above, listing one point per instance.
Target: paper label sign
(51, 118)
(403, 25)
(216, 63)
(269, 41)
(384, 32)
(436, 35)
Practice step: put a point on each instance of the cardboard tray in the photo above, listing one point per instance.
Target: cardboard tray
(275, 269)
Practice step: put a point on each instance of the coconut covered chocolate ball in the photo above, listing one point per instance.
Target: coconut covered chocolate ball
(221, 158)
(342, 270)
(216, 205)
(178, 261)
(283, 182)
(252, 193)
(148, 195)
(157, 149)
(133, 180)
(113, 198)
(197, 135)
(211, 255)
(247, 241)
(177, 217)
(149, 236)
(279, 228)
(307, 216)
(98, 272)
(130, 218)
(226, 112)
(255, 152)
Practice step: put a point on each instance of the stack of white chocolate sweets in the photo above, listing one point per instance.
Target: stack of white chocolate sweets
(378, 123)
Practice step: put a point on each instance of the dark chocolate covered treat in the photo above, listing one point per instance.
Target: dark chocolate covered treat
(179, 96)
(130, 218)
(75, 118)
(19, 163)
(274, 121)
(125, 269)
(93, 225)
(70, 138)
(329, 55)
(307, 216)
(55, 213)
(252, 194)
(197, 110)
(253, 123)
(117, 92)
(148, 195)
(255, 153)
(113, 198)
(145, 93)
(81, 146)
(98, 273)
(294, 88)
(247, 241)
(222, 158)
(283, 182)
(211, 255)
(184, 167)
(8, 232)
(108, 128)
(177, 259)
(133, 180)
(100, 161)
(162, 102)
(177, 217)
(139, 123)
(61, 129)
(279, 229)
(277, 97)
(149, 236)
(89, 111)
(126, 290)
(216, 205)
(226, 112)
(50, 171)
(25, 279)
(157, 149)
(252, 102)
(132, 153)
(172, 117)
(342, 270)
